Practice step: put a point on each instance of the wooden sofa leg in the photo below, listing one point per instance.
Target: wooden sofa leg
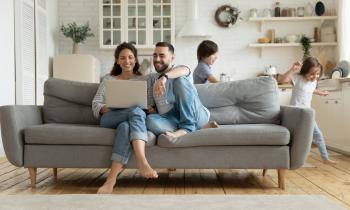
(32, 174)
(55, 173)
(281, 178)
(264, 172)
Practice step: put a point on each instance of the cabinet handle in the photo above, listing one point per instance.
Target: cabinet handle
(326, 102)
(336, 102)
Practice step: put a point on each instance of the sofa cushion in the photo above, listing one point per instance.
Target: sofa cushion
(73, 134)
(238, 135)
(69, 102)
(242, 102)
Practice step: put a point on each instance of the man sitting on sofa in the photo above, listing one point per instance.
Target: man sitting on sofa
(179, 109)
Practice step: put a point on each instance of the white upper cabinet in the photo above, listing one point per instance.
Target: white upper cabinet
(143, 22)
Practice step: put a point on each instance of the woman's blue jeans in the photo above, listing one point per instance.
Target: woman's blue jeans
(319, 140)
(130, 124)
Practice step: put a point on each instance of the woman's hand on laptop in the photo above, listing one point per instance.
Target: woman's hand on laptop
(105, 109)
(159, 86)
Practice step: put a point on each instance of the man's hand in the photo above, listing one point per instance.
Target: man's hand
(296, 67)
(104, 109)
(159, 86)
(150, 110)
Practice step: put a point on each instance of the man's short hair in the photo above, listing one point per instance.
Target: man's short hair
(166, 44)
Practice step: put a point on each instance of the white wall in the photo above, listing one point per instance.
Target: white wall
(235, 58)
(7, 70)
(7, 51)
(52, 45)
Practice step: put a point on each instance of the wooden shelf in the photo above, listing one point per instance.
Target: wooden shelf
(271, 45)
(317, 44)
(262, 20)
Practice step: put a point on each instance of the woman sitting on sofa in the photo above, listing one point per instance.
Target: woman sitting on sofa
(130, 122)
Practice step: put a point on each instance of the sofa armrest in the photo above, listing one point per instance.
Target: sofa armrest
(300, 123)
(14, 119)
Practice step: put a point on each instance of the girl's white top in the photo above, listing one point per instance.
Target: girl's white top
(302, 91)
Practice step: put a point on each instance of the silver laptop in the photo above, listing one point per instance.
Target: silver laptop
(126, 93)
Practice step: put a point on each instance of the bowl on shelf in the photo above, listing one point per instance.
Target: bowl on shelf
(264, 40)
(291, 38)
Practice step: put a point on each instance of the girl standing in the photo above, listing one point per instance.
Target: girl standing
(304, 78)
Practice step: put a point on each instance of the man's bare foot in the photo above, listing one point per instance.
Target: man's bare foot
(147, 171)
(107, 187)
(176, 134)
(211, 124)
(329, 162)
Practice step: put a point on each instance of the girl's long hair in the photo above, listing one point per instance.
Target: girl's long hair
(117, 70)
(308, 64)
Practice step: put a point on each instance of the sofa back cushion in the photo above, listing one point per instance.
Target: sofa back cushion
(242, 102)
(68, 102)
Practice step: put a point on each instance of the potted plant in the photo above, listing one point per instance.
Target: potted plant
(306, 45)
(77, 33)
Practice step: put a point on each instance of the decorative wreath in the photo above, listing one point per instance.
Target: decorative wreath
(226, 16)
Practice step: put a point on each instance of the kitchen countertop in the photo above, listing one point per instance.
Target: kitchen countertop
(342, 80)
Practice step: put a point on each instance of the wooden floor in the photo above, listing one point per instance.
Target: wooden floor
(316, 178)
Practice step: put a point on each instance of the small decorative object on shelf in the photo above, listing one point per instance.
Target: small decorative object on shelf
(253, 13)
(267, 13)
(306, 44)
(226, 16)
(319, 8)
(277, 10)
(77, 33)
(309, 9)
(300, 11)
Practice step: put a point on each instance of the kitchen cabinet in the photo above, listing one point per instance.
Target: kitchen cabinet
(285, 95)
(143, 22)
(346, 115)
(332, 117)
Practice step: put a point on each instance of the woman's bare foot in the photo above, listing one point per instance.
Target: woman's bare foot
(107, 187)
(147, 171)
(176, 134)
(211, 124)
(329, 162)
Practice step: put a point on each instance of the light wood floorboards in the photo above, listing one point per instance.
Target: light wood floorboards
(332, 181)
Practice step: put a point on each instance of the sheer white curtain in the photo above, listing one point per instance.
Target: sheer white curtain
(344, 29)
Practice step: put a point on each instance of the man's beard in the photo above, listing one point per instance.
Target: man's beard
(163, 68)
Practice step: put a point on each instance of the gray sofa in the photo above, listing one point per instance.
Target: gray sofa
(255, 132)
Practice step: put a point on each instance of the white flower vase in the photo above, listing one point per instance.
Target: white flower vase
(75, 48)
(309, 9)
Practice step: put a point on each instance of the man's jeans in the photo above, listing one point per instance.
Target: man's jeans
(319, 140)
(188, 114)
(131, 125)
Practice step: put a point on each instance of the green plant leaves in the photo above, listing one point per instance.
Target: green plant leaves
(306, 44)
(77, 33)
